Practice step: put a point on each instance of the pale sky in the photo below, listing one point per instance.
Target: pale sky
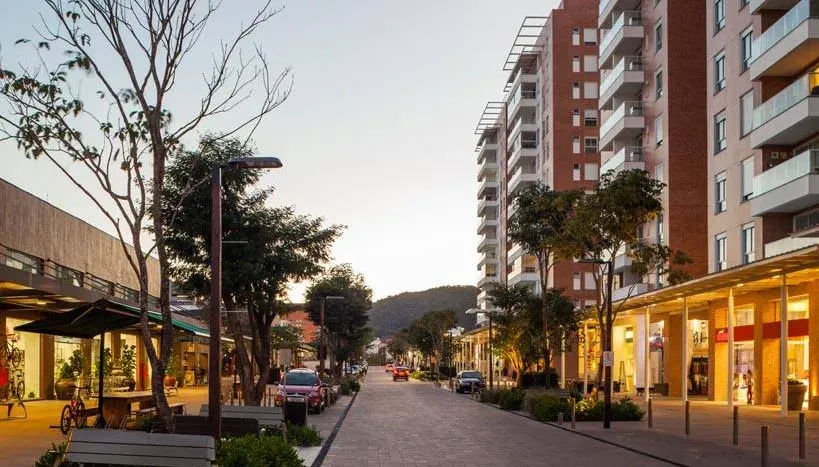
(377, 134)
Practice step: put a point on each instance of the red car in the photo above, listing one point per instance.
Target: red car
(302, 383)
(400, 372)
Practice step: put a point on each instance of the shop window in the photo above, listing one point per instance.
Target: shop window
(743, 316)
(25, 378)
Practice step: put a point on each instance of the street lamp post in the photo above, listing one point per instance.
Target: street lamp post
(607, 370)
(323, 340)
(214, 357)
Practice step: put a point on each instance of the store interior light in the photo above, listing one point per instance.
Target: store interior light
(629, 335)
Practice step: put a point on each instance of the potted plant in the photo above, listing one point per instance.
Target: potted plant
(128, 362)
(69, 370)
(796, 394)
(171, 370)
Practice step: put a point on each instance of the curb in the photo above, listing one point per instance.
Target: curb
(586, 435)
(325, 448)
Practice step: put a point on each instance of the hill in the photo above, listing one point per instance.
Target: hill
(393, 313)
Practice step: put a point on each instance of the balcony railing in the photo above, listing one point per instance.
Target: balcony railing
(626, 109)
(796, 167)
(625, 64)
(785, 25)
(627, 18)
(626, 154)
(799, 90)
(603, 5)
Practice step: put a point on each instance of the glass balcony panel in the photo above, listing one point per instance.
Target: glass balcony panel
(799, 90)
(784, 26)
(796, 167)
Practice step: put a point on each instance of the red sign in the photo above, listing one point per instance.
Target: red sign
(796, 328)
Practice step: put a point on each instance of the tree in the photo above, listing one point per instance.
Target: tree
(537, 225)
(605, 223)
(518, 335)
(271, 247)
(428, 334)
(285, 336)
(399, 345)
(114, 148)
(345, 321)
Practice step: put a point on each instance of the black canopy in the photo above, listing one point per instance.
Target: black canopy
(85, 321)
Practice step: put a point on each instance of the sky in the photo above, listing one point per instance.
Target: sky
(377, 133)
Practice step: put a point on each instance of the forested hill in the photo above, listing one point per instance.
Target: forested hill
(391, 314)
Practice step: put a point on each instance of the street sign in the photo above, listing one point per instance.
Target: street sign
(608, 358)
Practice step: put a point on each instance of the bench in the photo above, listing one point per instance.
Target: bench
(266, 416)
(136, 448)
(231, 426)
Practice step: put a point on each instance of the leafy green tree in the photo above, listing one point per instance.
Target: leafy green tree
(285, 337)
(399, 344)
(428, 334)
(94, 97)
(518, 335)
(271, 247)
(538, 226)
(345, 320)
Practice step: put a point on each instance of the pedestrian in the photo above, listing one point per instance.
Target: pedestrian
(749, 379)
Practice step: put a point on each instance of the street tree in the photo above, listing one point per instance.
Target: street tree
(345, 321)
(399, 345)
(268, 248)
(518, 335)
(610, 221)
(428, 333)
(93, 94)
(285, 337)
(537, 225)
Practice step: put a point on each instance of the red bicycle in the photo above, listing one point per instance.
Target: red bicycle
(74, 411)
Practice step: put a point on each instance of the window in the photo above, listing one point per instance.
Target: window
(590, 117)
(575, 117)
(576, 144)
(748, 179)
(748, 243)
(575, 64)
(720, 142)
(659, 232)
(590, 63)
(719, 15)
(590, 36)
(576, 281)
(719, 72)
(590, 90)
(743, 3)
(721, 204)
(591, 171)
(576, 172)
(658, 85)
(590, 145)
(746, 40)
(721, 253)
(658, 130)
(575, 90)
(575, 36)
(588, 281)
(659, 172)
(658, 36)
(746, 113)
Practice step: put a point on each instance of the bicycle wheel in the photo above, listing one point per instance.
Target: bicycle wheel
(65, 419)
(16, 357)
(21, 389)
(80, 419)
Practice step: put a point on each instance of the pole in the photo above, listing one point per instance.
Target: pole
(684, 347)
(562, 363)
(731, 370)
(736, 426)
(585, 358)
(783, 346)
(802, 435)
(764, 445)
(101, 418)
(607, 344)
(215, 375)
(322, 342)
(491, 365)
(650, 414)
(687, 418)
(647, 356)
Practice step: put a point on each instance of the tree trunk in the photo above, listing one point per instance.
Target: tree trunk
(544, 288)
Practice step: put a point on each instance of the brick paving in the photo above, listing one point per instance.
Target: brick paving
(411, 424)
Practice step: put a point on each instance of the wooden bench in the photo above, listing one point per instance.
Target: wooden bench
(136, 448)
(198, 425)
(266, 416)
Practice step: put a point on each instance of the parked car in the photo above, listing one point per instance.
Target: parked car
(465, 381)
(400, 372)
(305, 383)
(389, 368)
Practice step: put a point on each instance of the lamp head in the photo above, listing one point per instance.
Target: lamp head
(263, 162)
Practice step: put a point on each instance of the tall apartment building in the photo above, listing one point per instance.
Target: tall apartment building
(653, 110)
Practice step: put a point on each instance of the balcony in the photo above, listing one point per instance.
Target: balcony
(788, 244)
(608, 10)
(522, 125)
(488, 148)
(511, 209)
(525, 152)
(520, 99)
(630, 291)
(788, 187)
(622, 261)
(625, 80)
(487, 257)
(487, 242)
(486, 186)
(486, 204)
(624, 38)
(521, 180)
(759, 5)
(627, 158)
(487, 279)
(520, 276)
(790, 45)
(486, 223)
(789, 117)
(625, 122)
(514, 253)
(487, 168)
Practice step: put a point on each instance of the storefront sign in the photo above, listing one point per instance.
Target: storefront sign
(608, 358)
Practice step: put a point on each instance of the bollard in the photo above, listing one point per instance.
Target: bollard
(736, 426)
(574, 414)
(687, 418)
(650, 415)
(764, 456)
(560, 418)
(802, 454)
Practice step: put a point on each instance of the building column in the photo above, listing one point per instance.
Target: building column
(813, 347)
(585, 358)
(684, 351)
(730, 323)
(46, 366)
(783, 346)
(647, 379)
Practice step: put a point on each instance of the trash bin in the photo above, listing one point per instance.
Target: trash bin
(295, 410)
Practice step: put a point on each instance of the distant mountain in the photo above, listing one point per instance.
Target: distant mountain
(391, 314)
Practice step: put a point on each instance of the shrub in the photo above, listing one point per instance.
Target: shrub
(491, 396)
(256, 451)
(302, 435)
(355, 386)
(52, 457)
(511, 399)
(626, 411)
(416, 375)
(545, 408)
(532, 380)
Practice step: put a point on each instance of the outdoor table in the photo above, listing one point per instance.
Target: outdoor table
(116, 405)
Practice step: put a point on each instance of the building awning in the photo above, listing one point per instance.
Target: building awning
(798, 266)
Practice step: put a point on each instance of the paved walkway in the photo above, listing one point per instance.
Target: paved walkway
(397, 424)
